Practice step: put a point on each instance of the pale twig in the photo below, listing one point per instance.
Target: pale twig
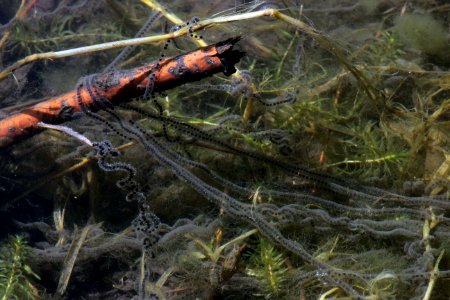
(434, 276)
(151, 39)
(325, 42)
(172, 18)
(428, 227)
(71, 257)
(68, 131)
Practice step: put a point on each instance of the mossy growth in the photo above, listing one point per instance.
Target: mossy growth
(15, 273)
(268, 266)
(423, 33)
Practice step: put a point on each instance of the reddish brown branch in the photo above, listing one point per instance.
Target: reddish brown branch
(117, 86)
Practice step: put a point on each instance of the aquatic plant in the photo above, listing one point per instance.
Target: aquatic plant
(16, 276)
(269, 267)
(423, 33)
(309, 142)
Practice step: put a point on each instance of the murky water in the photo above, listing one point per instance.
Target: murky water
(319, 168)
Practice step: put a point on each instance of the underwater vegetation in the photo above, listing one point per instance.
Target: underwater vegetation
(425, 34)
(15, 273)
(315, 166)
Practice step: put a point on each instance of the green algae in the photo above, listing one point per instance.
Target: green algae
(425, 34)
(397, 136)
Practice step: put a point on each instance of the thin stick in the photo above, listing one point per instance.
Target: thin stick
(68, 131)
(171, 17)
(326, 43)
(151, 39)
(433, 277)
(117, 86)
